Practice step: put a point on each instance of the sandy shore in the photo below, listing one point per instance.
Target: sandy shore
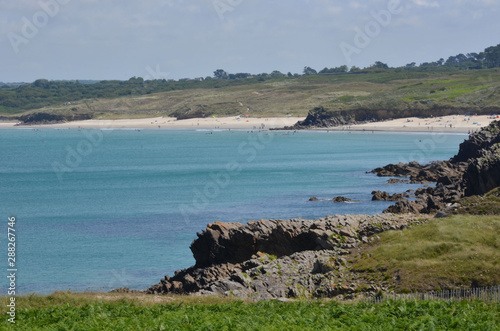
(459, 123)
(222, 123)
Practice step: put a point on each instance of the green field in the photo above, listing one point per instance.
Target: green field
(88, 312)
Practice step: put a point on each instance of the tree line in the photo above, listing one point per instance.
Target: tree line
(15, 98)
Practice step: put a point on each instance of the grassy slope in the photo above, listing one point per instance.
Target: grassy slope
(463, 250)
(80, 312)
(296, 96)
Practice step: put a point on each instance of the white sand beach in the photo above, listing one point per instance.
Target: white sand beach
(458, 123)
(222, 123)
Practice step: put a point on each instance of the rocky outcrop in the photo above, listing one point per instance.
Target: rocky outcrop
(475, 170)
(384, 196)
(478, 143)
(279, 258)
(417, 173)
(44, 118)
(321, 117)
(338, 199)
(483, 173)
(342, 199)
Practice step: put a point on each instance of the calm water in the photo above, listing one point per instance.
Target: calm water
(97, 210)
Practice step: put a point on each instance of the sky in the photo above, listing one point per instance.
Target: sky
(173, 39)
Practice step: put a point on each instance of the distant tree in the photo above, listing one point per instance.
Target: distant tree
(242, 75)
(492, 56)
(380, 65)
(354, 69)
(342, 68)
(42, 83)
(309, 71)
(289, 74)
(325, 70)
(277, 74)
(411, 65)
(220, 74)
(136, 80)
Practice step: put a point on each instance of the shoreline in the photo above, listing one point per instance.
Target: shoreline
(445, 124)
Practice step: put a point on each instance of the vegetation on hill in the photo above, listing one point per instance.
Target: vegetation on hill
(470, 80)
(448, 253)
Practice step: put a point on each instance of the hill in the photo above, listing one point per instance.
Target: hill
(374, 90)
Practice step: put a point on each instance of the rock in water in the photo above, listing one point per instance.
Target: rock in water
(341, 199)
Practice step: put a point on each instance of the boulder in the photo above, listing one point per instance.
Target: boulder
(384, 196)
(341, 199)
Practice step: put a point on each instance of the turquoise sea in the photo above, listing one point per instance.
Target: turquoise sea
(102, 209)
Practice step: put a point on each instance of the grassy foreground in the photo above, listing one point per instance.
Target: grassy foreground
(63, 311)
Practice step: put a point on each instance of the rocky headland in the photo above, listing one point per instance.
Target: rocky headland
(299, 258)
(475, 170)
(294, 258)
(321, 117)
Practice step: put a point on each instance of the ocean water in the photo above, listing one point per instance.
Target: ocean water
(102, 209)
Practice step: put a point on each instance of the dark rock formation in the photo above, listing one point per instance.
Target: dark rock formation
(341, 199)
(398, 181)
(235, 243)
(477, 143)
(279, 258)
(475, 170)
(483, 173)
(417, 173)
(44, 118)
(313, 199)
(384, 196)
(321, 117)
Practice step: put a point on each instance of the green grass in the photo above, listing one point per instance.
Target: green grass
(489, 204)
(462, 250)
(128, 314)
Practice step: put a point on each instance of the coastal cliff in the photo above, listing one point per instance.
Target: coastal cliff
(475, 170)
(282, 258)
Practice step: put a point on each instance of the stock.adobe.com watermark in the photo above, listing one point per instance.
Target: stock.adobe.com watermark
(75, 154)
(425, 148)
(371, 30)
(218, 181)
(223, 7)
(11, 269)
(30, 27)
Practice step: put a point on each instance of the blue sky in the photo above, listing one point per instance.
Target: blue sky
(111, 39)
